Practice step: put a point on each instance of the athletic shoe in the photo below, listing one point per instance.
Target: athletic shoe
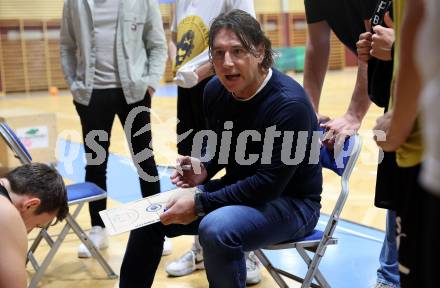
(99, 238)
(384, 285)
(187, 263)
(167, 247)
(253, 269)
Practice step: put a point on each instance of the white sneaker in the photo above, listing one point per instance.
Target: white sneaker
(99, 238)
(253, 269)
(193, 260)
(187, 263)
(167, 247)
(383, 285)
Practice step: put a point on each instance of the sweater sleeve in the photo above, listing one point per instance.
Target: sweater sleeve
(155, 44)
(270, 180)
(68, 45)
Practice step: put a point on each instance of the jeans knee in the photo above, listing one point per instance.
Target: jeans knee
(214, 234)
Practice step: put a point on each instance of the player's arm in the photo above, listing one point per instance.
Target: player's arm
(316, 60)
(13, 246)
(408, 82)
(351, 121)
(204, 71)
(172, 46)
(360, 102)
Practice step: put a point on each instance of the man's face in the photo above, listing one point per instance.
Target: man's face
(30, 218)
(38, 220)
(237, 68)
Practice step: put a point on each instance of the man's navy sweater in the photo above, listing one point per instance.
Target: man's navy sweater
(260, 177)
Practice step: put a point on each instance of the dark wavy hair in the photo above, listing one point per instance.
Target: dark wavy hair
(247, 29)
(43, 182)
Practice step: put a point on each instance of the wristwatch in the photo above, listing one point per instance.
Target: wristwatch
(198, 203)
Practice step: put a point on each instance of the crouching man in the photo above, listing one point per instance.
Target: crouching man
(30, 196)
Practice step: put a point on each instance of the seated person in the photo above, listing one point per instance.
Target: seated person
(263, 122)
(30, 196)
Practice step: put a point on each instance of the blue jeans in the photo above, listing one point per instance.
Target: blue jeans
(225, 234)
(388, 272)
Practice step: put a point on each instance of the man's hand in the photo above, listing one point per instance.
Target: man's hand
(382, 42)
(151, 91)
(383, 123)
(190, 172)
(337, 130)
(364, 46)
(322, 118)
(180, 210)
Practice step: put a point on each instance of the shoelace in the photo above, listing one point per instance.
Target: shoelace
(251, 263)
(187, 257)
(383, 285)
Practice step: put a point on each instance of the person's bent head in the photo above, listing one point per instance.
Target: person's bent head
(39, 194)
(240, 52)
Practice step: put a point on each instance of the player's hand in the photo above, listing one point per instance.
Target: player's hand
(383, 123)
(382, 42)
(189, 172)
(337, 130)
(180, 210)
(364, 46)
(322, 118)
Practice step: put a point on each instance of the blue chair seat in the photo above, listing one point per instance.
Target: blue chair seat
(315, 235)
(83, 192)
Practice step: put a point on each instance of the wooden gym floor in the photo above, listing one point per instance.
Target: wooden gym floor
(67, 270)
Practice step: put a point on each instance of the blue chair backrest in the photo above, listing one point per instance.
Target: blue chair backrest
(337, 163)
(16, 139)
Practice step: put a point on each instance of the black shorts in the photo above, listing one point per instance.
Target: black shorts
(190, 115)
(386, 182)
(430, 249)
(409, 225)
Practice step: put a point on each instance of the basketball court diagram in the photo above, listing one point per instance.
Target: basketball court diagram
(139, 213)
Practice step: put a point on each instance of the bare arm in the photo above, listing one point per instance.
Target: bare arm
(360, 102)
(316, 60)
(172, 47)
(12, 249)
(204, 71)
(351, 121)
(408, 82)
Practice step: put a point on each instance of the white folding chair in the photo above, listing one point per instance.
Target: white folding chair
(318, 240)
(77, 194)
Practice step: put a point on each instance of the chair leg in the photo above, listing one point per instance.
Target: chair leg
(85, 239)
(269, 267)
(35, 244)
(95, 253)
(313, 271)
(55, 245)
(54, 248)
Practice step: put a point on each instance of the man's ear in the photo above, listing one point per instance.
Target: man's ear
(31, 203)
